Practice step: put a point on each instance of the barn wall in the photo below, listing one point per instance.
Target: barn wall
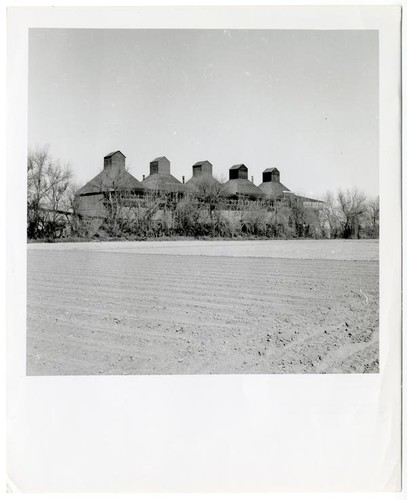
(91, 205)
(243, 173)
(204, 168)
(196, 170)
(118, 161)
(162, 165)
(275, 176)
(207, 168)
(115, 165)
(271, 176)
(238, 173)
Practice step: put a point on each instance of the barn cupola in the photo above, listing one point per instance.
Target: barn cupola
(202, 167)
(160, 165)
(115, 161)
(271, 175)
(238, 172)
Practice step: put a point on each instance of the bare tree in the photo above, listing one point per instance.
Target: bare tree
(47, 179)
(352, 208)
(372, 216)
(209, 192)
(329, 218)
(48, 182)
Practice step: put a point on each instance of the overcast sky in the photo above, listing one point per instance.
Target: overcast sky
(305, 102)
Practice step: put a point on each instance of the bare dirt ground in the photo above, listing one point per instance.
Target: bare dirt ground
(203, 307)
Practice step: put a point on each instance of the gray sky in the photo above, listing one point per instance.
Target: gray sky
(305, 102)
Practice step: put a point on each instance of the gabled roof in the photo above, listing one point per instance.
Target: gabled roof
(244, 187)
(160, 158)
(273, 189)
(107, 181)
(239, 165)
(199, 163)
(113, 153)
(274, 169)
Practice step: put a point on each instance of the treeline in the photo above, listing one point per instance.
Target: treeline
(52, 212)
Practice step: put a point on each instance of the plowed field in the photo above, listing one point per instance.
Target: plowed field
(203, 307)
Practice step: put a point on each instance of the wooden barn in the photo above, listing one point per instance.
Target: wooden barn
(202, 168)
(273, 189)
(160, 178)
(239, 185)
(271, 185)
(90, 199)
(202, 179)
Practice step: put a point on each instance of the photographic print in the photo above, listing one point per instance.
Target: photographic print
(203, 201)
(204, 249)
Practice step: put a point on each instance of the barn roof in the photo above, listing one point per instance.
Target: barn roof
(163, 182)
(243, 187)
(160, 158)
(206, 180)
(239, 165)
(199, 163)
(305, 198)
(113, 153)
(107, 181)
(273, 189)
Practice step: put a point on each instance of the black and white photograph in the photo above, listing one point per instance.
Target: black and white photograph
(204, 249)
(203, 201)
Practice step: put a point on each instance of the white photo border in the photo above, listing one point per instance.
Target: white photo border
(217, 432)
